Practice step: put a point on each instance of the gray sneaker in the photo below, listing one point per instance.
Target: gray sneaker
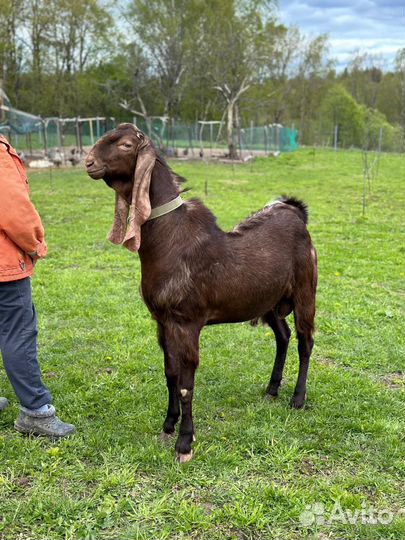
(46, 423)
(3, 403)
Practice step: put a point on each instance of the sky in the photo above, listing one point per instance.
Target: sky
(373, 26)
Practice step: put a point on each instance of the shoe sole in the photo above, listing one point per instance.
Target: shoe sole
(27, 431)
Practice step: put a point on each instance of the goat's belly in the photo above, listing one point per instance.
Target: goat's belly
(234, 313)
(220, 320)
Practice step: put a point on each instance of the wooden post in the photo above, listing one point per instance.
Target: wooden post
(77, 133)
(380, 138)
(91, 132)
(61, 126)
(79, 126)
(44, 127)
(190, 140)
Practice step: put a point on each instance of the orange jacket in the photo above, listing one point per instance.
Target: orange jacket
(21, 231)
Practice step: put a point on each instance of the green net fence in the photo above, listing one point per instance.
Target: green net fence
(33, 134)
(210, 136)
(13, 120)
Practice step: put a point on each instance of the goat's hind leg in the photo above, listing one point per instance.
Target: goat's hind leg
(304, 322)
(282, 334)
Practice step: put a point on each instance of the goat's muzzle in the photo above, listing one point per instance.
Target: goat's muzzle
(96, 174)
(94, 169)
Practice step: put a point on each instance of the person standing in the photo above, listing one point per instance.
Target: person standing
(22, 243)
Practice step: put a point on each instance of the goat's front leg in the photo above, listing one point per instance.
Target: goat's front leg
(171, 372)
(181, 343)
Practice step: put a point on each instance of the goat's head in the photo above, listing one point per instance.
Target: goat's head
(114, 156)
(125, 158)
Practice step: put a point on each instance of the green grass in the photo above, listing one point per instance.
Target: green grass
(257, 464)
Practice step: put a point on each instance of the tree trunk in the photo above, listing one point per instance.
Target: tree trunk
(232, 150)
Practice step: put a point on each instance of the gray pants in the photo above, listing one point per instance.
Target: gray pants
(18, 343)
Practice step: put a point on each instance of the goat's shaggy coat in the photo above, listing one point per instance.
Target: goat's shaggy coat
(195, 274)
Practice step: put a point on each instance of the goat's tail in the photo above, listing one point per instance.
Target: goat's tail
(300, 205)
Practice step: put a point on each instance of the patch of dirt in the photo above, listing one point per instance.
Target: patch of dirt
(23, 482)
(395, 380)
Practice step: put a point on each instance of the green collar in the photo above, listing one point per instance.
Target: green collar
(165, 208)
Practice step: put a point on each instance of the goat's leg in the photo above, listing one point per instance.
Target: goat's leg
(171, 372)
(305, 344)
(304, 322)
(182, 343)
(282, 334)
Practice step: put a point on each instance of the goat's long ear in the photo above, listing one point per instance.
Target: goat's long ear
(139, 210)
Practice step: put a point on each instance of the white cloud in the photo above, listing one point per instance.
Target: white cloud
(374, 26)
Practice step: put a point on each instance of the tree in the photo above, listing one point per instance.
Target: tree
(313, 67)
(165, 30)
(11, 57)
(365, 73)
(281, 53)
(400, 72)
(230, 54)
(340, 109)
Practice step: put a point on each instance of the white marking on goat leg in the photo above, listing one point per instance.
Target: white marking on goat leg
(183, 392)
(183, 458)
(164, 437)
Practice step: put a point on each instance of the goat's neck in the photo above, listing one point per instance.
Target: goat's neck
(162, 187)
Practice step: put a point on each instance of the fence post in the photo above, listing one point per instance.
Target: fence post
(380, 138)
(44, 127)
(91, 132)
(77, 133)
(335, 143)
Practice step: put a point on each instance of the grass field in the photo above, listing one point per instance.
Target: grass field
(258, 465)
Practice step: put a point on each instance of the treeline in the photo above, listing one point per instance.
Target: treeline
(194, 60)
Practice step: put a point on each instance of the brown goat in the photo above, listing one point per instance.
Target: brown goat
(195, 274)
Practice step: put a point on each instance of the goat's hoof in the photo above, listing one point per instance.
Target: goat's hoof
(270, 397)
(184, 458)
(164, 437)
(297, 402)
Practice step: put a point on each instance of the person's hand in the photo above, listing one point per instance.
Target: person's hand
(34, 257)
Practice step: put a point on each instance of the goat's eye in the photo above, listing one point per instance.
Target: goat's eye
(128, 145)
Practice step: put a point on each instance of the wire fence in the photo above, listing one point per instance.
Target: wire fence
(56, 133)
(38, 137)
(210, 138)
(203, 138)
